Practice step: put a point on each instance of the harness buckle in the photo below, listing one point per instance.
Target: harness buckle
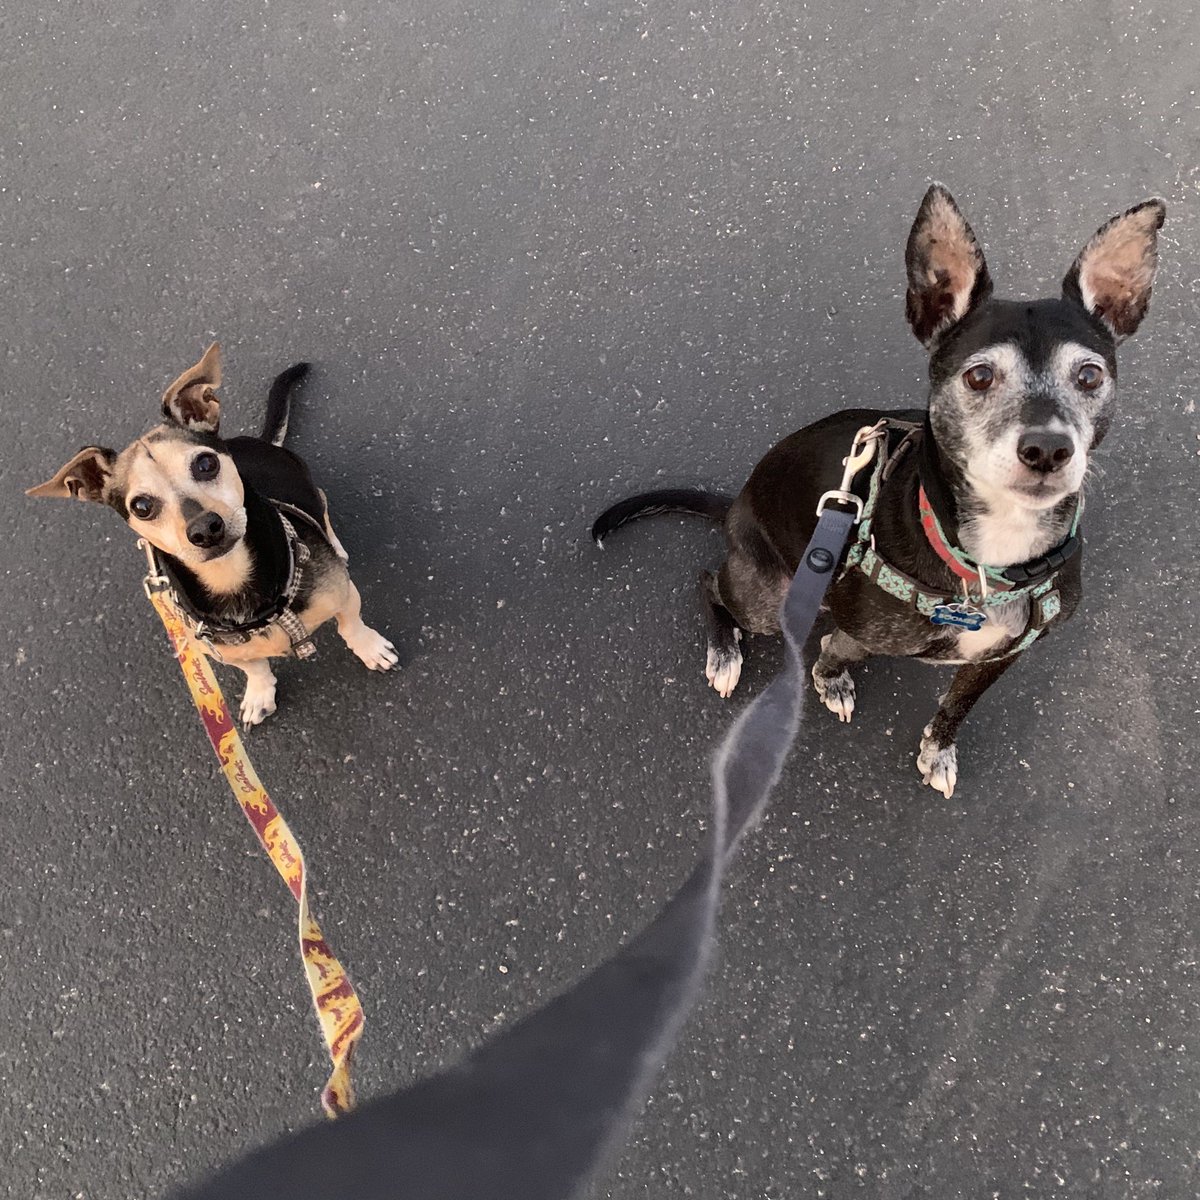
(861, 452)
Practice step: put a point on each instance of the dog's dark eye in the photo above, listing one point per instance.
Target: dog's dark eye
(979, 378)
(142, 507)
(1090, 377)
(206, 466)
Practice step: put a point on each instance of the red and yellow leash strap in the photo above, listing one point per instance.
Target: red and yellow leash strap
(337, 1005)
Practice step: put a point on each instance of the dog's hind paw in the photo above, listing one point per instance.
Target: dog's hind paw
(723, 670)
(938, 765)
(837, 693)
(374, 651)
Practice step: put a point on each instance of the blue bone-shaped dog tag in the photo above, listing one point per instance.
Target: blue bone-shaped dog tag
(961, 616)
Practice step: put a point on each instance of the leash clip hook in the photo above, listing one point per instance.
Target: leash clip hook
(861, 453)
(154, 580)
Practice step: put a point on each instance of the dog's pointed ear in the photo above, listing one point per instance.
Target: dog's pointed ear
(191, 401)
(83, 478)
(1114, 272)
(947, 275)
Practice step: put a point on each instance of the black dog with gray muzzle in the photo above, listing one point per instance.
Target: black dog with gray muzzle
(968, 551)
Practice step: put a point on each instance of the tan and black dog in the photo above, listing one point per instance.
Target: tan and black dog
(238, 527)
(969, 551)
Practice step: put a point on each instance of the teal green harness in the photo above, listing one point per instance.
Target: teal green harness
(1045, 602)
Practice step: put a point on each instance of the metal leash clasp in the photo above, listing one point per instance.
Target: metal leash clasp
(861, 453)
(154, 581)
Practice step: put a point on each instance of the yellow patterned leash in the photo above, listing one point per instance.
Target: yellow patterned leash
(337, 1005)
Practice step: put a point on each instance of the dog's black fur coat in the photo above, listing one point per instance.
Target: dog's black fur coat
(1019, 397)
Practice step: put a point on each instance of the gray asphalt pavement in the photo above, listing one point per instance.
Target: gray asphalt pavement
(542, 254)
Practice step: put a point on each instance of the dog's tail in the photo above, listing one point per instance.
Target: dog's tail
(712, 505)
(279, 403)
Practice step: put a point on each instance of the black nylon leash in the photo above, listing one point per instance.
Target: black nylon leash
(532, 1113)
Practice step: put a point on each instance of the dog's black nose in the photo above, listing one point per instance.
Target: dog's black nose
(1044, 450)
(205, 530)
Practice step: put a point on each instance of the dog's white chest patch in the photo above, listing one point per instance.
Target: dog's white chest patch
(1004, 623)
(1016, 536)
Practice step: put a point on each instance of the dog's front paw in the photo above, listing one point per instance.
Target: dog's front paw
(374, 650)
(257, 705)
(723, 670)
(938, 764)
(837, 693)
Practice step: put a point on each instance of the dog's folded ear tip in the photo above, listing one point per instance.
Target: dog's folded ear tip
(52, 489)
